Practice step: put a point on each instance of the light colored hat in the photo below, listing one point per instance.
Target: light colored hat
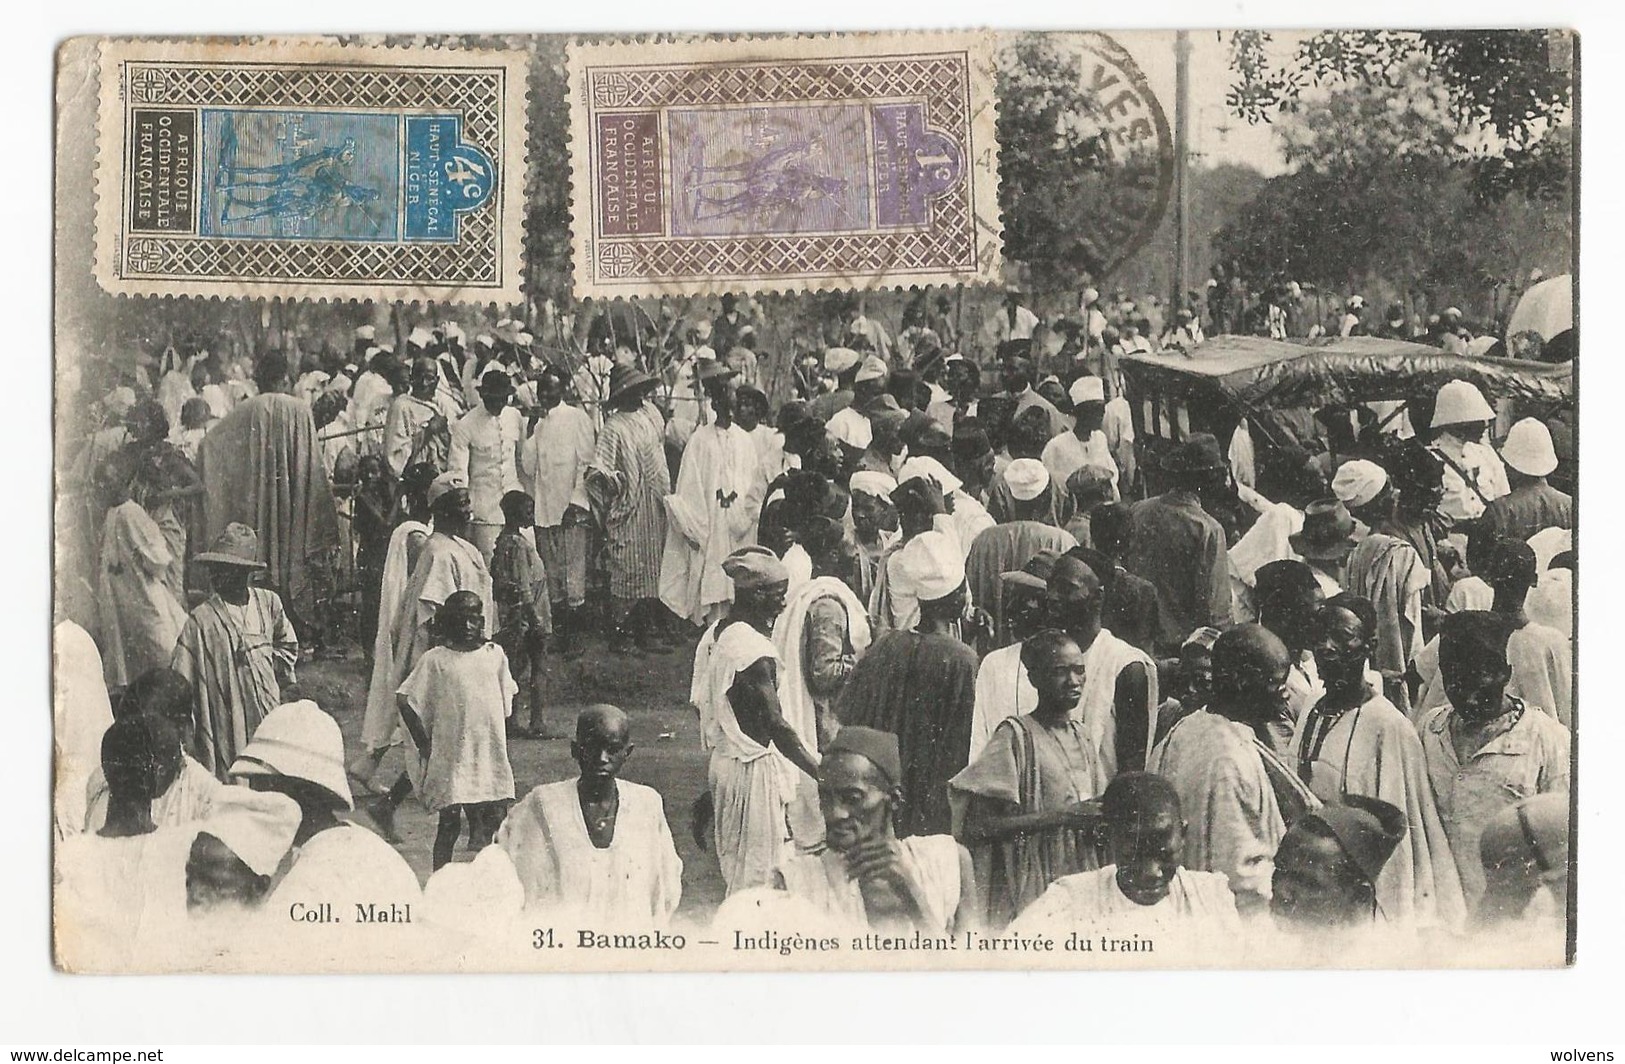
(1091, 294)
(1027, 478)
(257, 826)
(365, 332)
(237, 544)
(420, 337)
(753, 567)
(523, 339)
(872, 482)
(873, 369)
(838, 360)
(1356, 302)
(1088, 389)
(928, 567)
(1528, 448)
(484, 340)
(931, 469)
(301, 741)
(1460, 402)
(447, 481)
(1358, 482)
(451, 329)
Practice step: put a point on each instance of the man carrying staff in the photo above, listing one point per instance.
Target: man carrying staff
(261, 466)
(628, 480)
(755, 751)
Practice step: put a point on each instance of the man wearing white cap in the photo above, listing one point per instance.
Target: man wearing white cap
(1532, 505)
(1384, 569)
(756, 752)
(851, 424)
(1007, 546)
(842, 363)
(1473, 473)
(965, 517)
(1086, 444)
(920, 684)
(713, 508)
(298, 751)
(874, 524)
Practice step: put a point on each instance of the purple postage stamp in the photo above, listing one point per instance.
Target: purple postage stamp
(793, 163)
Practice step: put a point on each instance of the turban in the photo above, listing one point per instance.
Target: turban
(365, 332)
(872, 482)
(928, 567)
(257, 826)
(1358, 482)
(1027, 478)
(1367, 828)
(931, 469)
(1087, 390)
(879, 747)
(446, 482)
(420, 337)
(872, 370)
(838, 360)
(753, 567)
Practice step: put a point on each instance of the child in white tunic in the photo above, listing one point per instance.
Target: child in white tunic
(456, 703)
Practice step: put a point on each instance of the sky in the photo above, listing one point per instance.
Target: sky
(1217, 135)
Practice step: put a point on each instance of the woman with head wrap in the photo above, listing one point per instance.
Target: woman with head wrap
(1383, 569)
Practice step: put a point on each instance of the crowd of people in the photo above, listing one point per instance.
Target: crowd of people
(964, 657)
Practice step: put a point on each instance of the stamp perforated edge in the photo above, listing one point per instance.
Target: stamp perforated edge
(111, 148)
(983, 153)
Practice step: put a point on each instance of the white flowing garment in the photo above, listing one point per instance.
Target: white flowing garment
(711, 513)
(751, 784)
(637, 880)
(1195, 900)
(343, 866)
(795, 700)
(83, 714)
(932, 861)
(381, 725)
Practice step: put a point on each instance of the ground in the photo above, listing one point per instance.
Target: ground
(653, 689)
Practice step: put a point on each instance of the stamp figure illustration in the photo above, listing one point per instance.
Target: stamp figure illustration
(344, 172)
(864, 161)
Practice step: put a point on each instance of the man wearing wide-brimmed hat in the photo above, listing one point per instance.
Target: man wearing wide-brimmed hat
(1325, 542)
(1180, 547)
(628, 481)
(237, 650)
(485, 450)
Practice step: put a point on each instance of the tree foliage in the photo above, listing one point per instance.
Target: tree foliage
(1513, 85)
(1383, 197)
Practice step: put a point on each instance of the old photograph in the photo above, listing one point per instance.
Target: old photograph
(831, 501)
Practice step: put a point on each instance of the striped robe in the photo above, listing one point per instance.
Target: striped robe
(629, 480)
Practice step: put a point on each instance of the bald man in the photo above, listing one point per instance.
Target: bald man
(864, 874)
(1147, 881)
(597, 847)
(1226, 777)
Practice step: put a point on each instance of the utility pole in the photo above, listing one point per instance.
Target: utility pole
(1182, 146)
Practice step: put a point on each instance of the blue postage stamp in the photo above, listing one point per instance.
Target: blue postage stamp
(750, 164)
(305, 169)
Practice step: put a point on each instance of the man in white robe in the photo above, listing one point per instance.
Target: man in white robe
(1086, 444)
(714, 508)
(596, 848)
(755, 752)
